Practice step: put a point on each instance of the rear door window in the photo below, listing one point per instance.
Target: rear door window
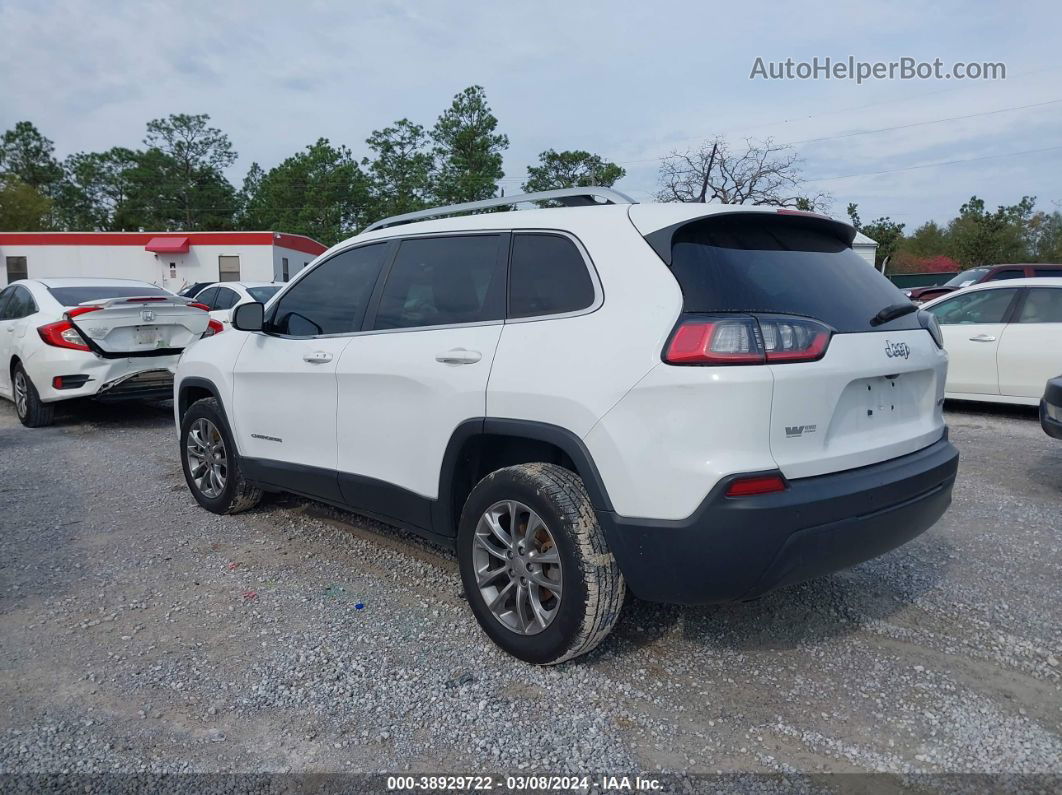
(1048, 272)
(780, 264)
(332, 298)
(439, 281)
(19, 305)
(207, 297)
(1010, 273)
(225, 299)
(547, 276)
(979, 306)
(1042, 305)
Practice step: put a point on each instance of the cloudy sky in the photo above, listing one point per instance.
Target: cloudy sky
(631, 81)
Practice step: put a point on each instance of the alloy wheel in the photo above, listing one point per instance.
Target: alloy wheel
(518, 567)
(21, 394)
(207, 458)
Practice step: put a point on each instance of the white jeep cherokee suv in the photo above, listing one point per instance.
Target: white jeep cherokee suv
(700, 403)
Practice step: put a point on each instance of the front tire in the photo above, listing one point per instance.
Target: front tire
(28, 406)
(538, 574)
(210, 463)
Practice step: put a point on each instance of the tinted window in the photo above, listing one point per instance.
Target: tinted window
(979, 306)
(207, 297)
(331, 299)
(5, 296)
(1008, 274)
(19, 304)
(225, 299)
(263, 294)
(72, 296)
(781, 264)
(547, 275)
(442, 280)
(1055, 272)
(1042, 305)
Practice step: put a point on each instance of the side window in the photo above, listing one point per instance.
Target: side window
(437, 281)
(331, 299)
(1042, 305)
(5, 296)
(979, 306)
(1012, 273)
(547, 276)
(207, 297)
(20, 304)
(225, 299)
(1048, 272)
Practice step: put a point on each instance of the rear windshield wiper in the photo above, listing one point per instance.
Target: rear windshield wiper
(892, 312)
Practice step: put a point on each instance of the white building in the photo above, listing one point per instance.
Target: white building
(865, 247)
(171, 260)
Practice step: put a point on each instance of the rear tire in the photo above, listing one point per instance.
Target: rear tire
(28, 406)
(210, 463)
(570, 606)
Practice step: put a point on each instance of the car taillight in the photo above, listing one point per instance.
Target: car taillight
(213, 327)
(62, 335)
(755, 484)
(204, 307)
(80, 310)
(747, 339)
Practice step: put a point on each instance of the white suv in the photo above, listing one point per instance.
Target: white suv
(699, 403)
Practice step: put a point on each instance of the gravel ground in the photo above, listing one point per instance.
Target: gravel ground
(141, 633)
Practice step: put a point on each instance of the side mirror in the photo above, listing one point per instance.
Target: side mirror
(248, 317)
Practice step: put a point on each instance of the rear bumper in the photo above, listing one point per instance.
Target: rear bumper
(740, 548)
(1051, 408)
(142, 377)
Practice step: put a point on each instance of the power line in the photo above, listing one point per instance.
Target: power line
(936, 165)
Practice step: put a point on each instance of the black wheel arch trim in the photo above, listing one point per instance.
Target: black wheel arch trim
(201, 383)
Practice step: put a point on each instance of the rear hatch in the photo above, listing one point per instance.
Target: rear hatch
(148, 325)
(852, 387)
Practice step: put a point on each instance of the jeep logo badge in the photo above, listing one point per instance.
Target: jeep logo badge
(897, 350)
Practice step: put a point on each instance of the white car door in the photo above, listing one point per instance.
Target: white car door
(284, 381)
(1030, 349)
(7, 339)
(972, 323)
(419, 371)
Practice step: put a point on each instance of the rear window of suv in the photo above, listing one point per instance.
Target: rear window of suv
(72, 296)
(788, 265)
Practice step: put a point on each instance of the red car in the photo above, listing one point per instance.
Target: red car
(987, 273)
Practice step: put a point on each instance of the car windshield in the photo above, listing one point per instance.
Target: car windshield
(966, 277)
(263, 294)
(72, 296)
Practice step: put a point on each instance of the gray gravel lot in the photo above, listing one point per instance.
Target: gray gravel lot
(141, 633)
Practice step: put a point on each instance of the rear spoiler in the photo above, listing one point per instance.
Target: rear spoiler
(171, 300)
(660, 240)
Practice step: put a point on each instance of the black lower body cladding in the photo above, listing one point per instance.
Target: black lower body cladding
(1051, 408)
(735, 548)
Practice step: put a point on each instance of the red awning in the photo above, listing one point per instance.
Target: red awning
(168, 245)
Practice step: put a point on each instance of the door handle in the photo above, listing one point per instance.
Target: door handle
(317, 357)
(459, 356)
(983, 338)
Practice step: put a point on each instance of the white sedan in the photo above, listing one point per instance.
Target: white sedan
(222, 297)
(102, 338)
(1004, 339)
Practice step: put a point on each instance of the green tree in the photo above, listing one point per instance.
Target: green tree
(887, 233)
(982, 237)
(199, 154)
(853, 214)
(400, 171)
(468, 151)
(320, 192)
(162, 196)
(1048, 236)
(928, 240)
(23, 208)
(30, 157)
(571, 169)
(94, 189)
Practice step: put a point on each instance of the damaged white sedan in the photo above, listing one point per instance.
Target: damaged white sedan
(108, 339)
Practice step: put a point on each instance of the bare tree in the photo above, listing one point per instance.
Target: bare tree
(764, 173)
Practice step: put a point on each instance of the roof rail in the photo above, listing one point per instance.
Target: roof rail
(569, 197)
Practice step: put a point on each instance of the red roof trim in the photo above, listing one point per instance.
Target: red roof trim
(295, 242)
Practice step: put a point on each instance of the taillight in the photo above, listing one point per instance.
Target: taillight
(80, 310)
(213, 327)
(755, 484)
(62, 335)
(747, 339)
(204, 307)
